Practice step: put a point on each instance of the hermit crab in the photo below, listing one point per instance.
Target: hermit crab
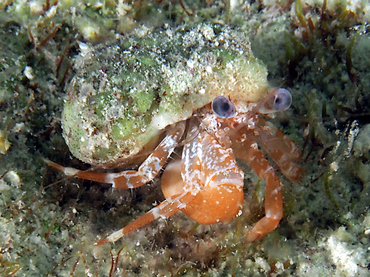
(206, 96)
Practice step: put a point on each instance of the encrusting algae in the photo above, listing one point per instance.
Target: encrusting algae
(125, 92)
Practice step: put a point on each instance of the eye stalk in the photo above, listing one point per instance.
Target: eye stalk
(277, 100)
(223, 107)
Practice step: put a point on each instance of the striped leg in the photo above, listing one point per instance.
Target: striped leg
(131, 178)
(177, 194)
(273, 195)
(280, 148)
(168, 207)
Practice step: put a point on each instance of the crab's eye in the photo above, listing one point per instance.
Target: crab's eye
(223, 107)
(283, 99)
(277, 100)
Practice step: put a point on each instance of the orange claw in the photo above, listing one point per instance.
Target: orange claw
(212, 192)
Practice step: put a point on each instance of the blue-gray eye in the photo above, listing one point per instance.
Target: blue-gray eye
(223, 107)
(283, 99)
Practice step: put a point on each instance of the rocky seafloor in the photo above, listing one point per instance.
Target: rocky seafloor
(319, 50)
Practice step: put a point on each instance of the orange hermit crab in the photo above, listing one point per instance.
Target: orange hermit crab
(206, 183)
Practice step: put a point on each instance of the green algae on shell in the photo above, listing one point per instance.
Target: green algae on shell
(125, 92)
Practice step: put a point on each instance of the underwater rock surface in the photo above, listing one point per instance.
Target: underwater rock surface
(316, 49)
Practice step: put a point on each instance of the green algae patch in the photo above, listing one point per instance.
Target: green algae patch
(126, 92)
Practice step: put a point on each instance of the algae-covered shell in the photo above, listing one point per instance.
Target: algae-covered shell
(125, 92)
